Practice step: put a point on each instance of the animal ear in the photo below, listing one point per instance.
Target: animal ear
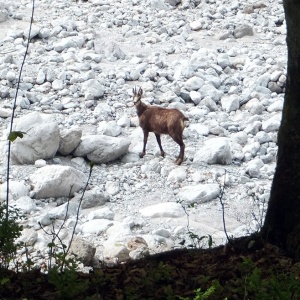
(140, 92)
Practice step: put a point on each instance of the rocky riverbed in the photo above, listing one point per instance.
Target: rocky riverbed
(222, 63)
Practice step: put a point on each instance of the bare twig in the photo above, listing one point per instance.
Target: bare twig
(13, 111)
(79, 205)
(223, 209)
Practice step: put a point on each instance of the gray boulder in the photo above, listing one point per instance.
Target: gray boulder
(102, 148)
(214, 151)
(40, 141)
(57, 181)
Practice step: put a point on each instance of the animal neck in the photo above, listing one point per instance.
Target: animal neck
(140, 108)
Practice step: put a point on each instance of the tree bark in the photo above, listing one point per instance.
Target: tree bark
(282, 222)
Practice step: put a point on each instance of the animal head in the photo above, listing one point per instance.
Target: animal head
(137, 95)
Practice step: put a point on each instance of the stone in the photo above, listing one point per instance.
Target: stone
(40, 140)
(199, 193)
(97, 148)
(214, 151)
(163, 210)
(57, 181)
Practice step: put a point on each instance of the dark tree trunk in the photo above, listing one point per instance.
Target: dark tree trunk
(282, 223)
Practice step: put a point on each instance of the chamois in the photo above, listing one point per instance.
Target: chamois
(160, 120)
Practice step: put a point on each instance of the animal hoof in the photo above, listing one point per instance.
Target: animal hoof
(178, 161)
(142, 154)
(163, 154)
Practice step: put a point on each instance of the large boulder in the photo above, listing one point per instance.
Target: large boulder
(40, 140)
(214, 151)
(102, 148)
(57, 181)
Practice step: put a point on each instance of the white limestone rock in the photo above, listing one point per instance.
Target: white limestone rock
(110, 128)
(96, 226)
(214, 151)
(194, 83)
(199, 193)
(26, 204)
(253, 167)
(40, 140)
(17, 189)
(69, 140)
(101, 213)
(177, 175)
(57, 181)
(230, 103)
(163, 210)
(92, 89)
(61, 212)
(272, 124)
(92, 198)
(28, 236)
(102, 148)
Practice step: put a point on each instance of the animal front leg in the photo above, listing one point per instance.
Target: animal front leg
(162, 152)
(146, 133)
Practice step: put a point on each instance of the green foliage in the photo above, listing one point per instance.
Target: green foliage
(13, 135)
(202, 295)
(67, 282)
(10, 230)
(270, 287)
(199, 241)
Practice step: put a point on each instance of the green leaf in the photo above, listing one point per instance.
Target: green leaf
(13, 135)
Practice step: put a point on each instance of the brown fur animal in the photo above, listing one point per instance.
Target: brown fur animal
(160, 120)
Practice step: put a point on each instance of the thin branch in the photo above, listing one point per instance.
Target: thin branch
(79, 205)
(13, 111)
(223, 209)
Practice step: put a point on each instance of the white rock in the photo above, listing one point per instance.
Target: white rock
(57, 181)
(272, 124)
(112, 187)
(196, 97)
(194, 83)
(163, 210)
(16, 190)
(177, 175)
(96, 226)
(240, 137)
(214, 151)
(253, 168)
(196, 25)
(199, 193)
(28, 236)
(230, 103)
(69, 140)
(110, 128)
(26, 204)
(98, 148)
(200, 129)
(40, 163)
(92, 89)
(92, 198)
(61, 212)
(101, 213)
(40, 141)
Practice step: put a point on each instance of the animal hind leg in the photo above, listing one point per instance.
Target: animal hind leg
(178, 140)
(162, 152)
